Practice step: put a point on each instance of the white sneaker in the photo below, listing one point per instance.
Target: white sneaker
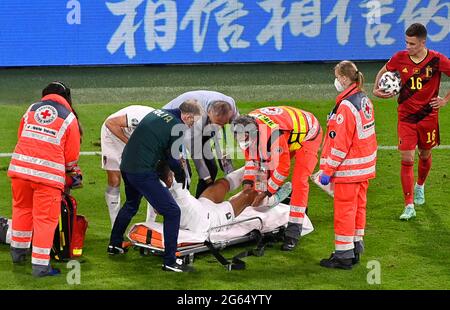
(178, 266)
(408, 213)
(419, 194)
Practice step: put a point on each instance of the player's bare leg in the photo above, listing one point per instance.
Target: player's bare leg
(243, 200)
(114, 178)
(217, 191)
(220, 188)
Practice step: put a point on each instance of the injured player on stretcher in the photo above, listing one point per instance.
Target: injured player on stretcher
(211, 209)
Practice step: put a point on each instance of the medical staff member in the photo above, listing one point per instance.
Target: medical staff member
(158, 136)
(219, 110)
(48, 147)
(348, 159)
(270, 137)
(115, 132)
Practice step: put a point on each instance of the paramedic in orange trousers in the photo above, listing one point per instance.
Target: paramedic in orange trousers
(48, 147)
(270, 137)
(348, 159)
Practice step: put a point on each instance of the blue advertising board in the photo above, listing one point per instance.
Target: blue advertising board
(108, 32)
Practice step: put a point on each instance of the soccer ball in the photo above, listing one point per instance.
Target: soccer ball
(390, 83)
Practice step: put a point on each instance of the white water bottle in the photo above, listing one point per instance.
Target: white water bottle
(227, 165)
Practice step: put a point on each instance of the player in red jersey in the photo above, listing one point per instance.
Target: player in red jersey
(418, 108)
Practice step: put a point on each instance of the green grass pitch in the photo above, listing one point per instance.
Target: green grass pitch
(412, 255)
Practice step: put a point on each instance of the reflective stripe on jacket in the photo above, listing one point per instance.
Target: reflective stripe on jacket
(48, 143)
(350, 148)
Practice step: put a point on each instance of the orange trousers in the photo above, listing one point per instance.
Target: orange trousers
(36, 210)
(350, 200)
(305, 162)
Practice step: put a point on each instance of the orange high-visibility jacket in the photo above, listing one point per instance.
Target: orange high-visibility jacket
(350, 148)
(281, 132)
(48, 143)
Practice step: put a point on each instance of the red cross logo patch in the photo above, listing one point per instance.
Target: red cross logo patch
(271, 111)
(45, 115)
(367, 108)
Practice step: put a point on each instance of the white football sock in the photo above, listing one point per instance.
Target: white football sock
(112, 197)
(235, 178)
(151, 214)
(8, 232)
(269, 202)
(421, 186)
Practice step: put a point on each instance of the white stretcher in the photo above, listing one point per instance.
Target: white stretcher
(251, 224)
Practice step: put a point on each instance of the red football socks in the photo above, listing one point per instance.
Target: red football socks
(424, 169)
(407, 176)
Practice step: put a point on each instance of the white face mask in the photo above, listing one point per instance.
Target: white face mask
(338, 85)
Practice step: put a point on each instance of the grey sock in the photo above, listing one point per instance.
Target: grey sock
(40, 270)
(293, 230)
(18, 255)
(359, 247)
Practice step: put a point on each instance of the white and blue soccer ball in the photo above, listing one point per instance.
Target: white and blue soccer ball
(390, 83)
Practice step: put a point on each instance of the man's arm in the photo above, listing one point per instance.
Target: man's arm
(195, 147)
(279, 154)
(376, 89)
(115, 125)
(438, 102)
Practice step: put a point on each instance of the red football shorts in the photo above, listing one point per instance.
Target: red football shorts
(424, 134)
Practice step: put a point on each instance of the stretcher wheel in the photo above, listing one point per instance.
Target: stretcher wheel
(188, 259)
(144, 252)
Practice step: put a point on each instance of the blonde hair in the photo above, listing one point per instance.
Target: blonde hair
(348, 68)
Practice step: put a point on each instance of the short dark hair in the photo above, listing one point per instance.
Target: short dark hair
(417, 30)
(163, 170)
(245, 124)
(58, 88)
(191, 107)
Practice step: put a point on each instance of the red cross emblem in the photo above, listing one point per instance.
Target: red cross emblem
(366, 108)
(271, 111)
(45, 114)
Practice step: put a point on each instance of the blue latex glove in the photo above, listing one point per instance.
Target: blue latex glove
(74, 178)
(324, 179)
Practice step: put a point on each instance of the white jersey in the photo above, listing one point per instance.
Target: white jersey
(194, 136)
(112, 147)
(199, 215)
(194, 216)
(134, 114)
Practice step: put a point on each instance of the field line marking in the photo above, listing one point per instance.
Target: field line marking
(380, 147)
